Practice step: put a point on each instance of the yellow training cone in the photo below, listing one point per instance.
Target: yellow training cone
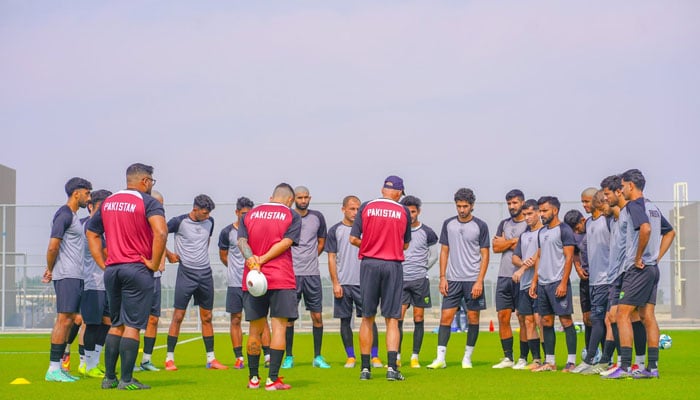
(20, 381)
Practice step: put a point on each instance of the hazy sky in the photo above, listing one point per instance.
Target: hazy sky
(229, 98)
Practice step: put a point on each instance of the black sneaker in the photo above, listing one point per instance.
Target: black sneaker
(392, 375)
(108, 383)
(132, 385)
(365, 375)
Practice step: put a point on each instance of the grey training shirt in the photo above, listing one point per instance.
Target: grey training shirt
(551, 242)
(71, 252)
(305, 255)
(192, 240)
(465, 241)
(509, 229)
(415, 266)
(347, 260)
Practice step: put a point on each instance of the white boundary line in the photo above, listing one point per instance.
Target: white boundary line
(47, 352)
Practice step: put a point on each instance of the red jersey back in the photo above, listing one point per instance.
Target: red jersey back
(123, 218)
(264, 226)
(384, 226)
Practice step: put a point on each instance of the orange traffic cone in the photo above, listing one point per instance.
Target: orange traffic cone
(491, 328)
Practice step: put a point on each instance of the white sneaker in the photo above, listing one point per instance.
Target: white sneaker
(582, 368)
(505, 363)
(467, 362)
(521, 364)
(437, 364)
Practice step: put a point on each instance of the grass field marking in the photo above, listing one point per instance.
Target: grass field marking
(47, 352)
(2, 353)
(162, 346)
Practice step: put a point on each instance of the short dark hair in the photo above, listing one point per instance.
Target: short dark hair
(76, 183)
(244, 202)
(551, 200)
(99, 196)
(572, 218)
(613, 182)
(347, 199)
(203, 202)
(139, 169)
(635, 176)
(515, 193)
(412, 201)
(530, 203)
(282, 188)
(464, 194)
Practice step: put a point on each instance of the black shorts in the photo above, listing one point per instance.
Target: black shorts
(615, 289)
(599, 301)
(309, 286)
(381, 280)
(526, 304)
(458, 290)
(342, 307)
(279, 303)
(548, 303)
(584, 293)
(639, 286)
(417, 293)
(155, 305)
(507, 294)
(129, 290)
(197, 283)
(234, 299)
(94, 306)
(68, 295)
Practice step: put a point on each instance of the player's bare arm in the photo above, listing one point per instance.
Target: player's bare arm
(568, 261)
(355, 241)
(160, 235)
(444, 254)
(644, 235)
(478, 287)
(51, 255)
(333, 272)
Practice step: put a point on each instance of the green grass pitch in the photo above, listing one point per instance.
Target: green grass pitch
(26, 356)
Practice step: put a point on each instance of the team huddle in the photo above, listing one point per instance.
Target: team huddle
(106, 272)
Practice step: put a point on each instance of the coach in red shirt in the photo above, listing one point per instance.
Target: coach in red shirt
(133, 224)
(382, 230)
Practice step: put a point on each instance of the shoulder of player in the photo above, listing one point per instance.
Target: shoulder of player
(315, 213)
(450, 219)
(63, 211)
(478, 221)
(226, 229)
(337, 226)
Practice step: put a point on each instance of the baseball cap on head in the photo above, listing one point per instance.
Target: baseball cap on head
(394, 182)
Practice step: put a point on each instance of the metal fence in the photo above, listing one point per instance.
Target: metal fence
(27, 304)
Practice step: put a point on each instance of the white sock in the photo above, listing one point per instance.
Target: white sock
(210, 356)
(398, 356)
(54, 366)
(98, 351)
(267, 357)
(90, 360)
(170, 356)
(146, 358)
(441, 351)
(468, 350)
(639, 360)
(571, 358)
(414, 356)
(549, 359)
